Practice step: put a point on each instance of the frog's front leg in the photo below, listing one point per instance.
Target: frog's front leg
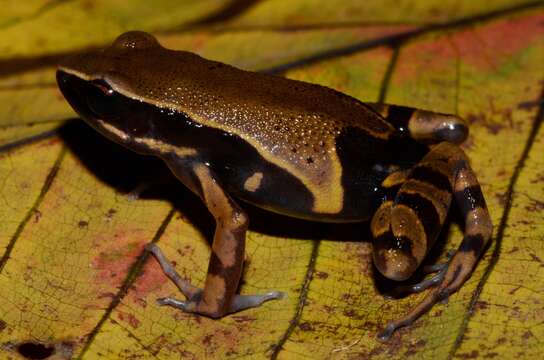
(218, 297)
(405, 229)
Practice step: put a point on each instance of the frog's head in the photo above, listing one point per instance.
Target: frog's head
(117, 89)
(98, 85)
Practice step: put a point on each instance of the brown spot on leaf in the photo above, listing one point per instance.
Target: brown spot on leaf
(535, 258)
(207, 340)
(513, 250)
(535, 205)
(37, 216)
(82, 224)
(110, 213)
(527, 335)
(321, 275)
(481, 305)
(529, 105)
(413, 348)
(474, 354)
(306, 326)
(129, 319)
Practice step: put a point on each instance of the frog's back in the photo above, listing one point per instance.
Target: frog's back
(294, 125)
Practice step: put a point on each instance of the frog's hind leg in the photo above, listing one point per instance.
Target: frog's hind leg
(405, 229)
(426, 127)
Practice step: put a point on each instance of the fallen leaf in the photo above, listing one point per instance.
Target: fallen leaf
(74, 277)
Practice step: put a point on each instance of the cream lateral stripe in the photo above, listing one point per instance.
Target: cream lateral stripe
(149, 142)
(112, 129)
(165, 147)
(253, 182)
(326, 200)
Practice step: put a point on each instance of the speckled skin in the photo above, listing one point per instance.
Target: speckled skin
(292, 147)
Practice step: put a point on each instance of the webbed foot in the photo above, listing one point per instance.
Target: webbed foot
(449, 279)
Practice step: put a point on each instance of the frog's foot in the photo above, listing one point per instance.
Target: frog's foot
(439, 269)
(456, 272)
(194, 303)
(240, 302)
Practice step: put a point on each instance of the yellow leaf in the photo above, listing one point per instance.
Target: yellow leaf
(74, 277)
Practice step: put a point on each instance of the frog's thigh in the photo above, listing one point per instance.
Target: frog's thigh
(427, 187)
(424, 126)
(405, 228)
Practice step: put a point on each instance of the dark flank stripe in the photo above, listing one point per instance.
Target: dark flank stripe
(399, 116)
(470, 198)
(431, 176)
(387, 241)
(426, 212)
(473, 243)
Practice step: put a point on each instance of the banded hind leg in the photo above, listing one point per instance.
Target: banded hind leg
(404, 229)
(218, 297)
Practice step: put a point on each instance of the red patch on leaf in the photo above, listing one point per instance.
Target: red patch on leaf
(151, 279)
(483, 47)
(114, 261)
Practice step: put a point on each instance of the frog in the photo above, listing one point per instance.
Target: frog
(290, 147)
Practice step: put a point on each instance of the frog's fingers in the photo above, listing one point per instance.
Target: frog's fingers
(424, 126)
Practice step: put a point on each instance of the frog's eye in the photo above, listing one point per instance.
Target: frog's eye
(135, 40)
(101, 100)
(104, 88)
